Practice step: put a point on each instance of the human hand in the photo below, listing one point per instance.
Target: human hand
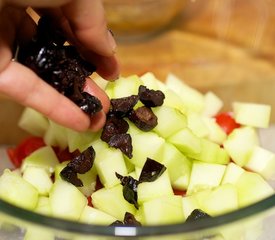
(84, 23)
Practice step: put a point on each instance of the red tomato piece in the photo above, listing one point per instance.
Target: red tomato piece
(227, 122)
(24, 149)
(179, 192)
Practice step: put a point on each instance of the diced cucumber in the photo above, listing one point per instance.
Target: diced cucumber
(89, 181)
(107, 163)
(252, 114)
(39, 178)
(150, 190)
(125, 87)
(111, 201)
(192, 98)
(196, 124)
(232, 173)
(92, 215)
(211, 153)
(239, 144)
(178, 166)
(33, 122)
(252, 188)
(146, 144)
(262, 161)
(79, 140)
(186, 141)
(66, 201)
(212, 104)
(215, 133)
(15, 190)
(221, 200)
(43, 157)
(204, 176)
(56, 135)
(43, 206)
(189, 203)
(170, 121)
(162, 210)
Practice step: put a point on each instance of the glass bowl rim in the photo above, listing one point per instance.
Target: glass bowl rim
(131, 231)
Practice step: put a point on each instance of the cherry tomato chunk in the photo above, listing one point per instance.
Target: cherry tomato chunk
(227, 122)
(23, 149)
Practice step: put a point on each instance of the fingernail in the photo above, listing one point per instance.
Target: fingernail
(111, 40)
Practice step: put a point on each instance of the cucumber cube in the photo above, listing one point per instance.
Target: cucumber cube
(196, 124)
(125, 87)
(211, 153)
(66, 201)
(39, 178)
(262, 161)
(212, 104)
(192, 98)
(150, 190)
(107, 163)
(221, 200)
(252, 114)
(186, 141)
(239, 144)
(92, 215)
(163, 210)
(178, 166)
(33, 122)
(56, 135)
(215, 133)
(205, 176)
(252, 188)
(189, 203)
(146, 144)
(112, 202)
(44, 157)
(170, 121)
(232, 173)
(79, 140)
(15, 190)
(43, 206)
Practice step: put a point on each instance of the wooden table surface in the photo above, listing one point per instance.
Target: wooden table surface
(227, 46)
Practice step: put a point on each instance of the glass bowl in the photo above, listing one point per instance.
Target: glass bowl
(217, 23)
(138, 19)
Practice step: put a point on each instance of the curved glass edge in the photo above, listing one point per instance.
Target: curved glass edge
(180, 228)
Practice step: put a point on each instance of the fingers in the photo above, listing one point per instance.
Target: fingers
(107, 67)
(25, 87)
(88, 23)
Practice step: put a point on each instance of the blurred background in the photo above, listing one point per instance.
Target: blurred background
(225, 46)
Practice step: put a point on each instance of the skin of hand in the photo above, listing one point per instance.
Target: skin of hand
(84, 23)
